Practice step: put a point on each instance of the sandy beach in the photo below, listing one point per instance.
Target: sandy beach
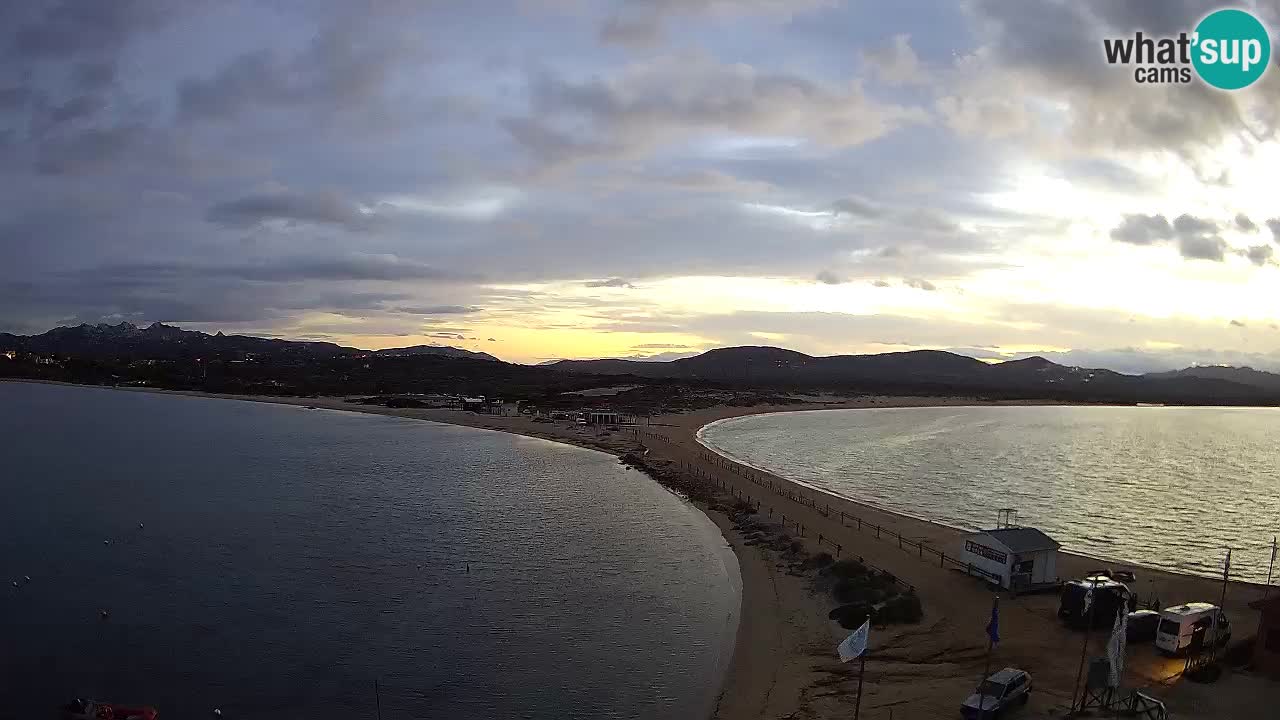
(784, 664)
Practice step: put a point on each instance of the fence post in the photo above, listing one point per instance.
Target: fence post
(859, 524)
(899, 541)
(837, 550)
(877, 532)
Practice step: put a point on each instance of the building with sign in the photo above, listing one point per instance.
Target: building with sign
(1015, 558)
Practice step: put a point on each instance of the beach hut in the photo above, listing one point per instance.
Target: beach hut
(1015, 558)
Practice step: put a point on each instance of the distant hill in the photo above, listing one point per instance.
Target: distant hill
(1240, 375)
(441, 350)
(168, 342)
(107, 353)
(928, 371)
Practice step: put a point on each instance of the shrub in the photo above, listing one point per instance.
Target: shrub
(853, 615)
(902, 608)
(821, 560)
(848, 568)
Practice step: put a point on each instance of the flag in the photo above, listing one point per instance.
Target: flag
(1116, 646)
(856, 644)
(993, 627)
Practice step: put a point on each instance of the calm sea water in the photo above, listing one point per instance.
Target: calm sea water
(289, 557)
(1160, 486)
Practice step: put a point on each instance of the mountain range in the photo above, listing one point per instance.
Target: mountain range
(940, 370)
(917, 371)
(168, 342)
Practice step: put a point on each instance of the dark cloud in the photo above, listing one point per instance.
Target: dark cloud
(1143, 229)
(636, 32)
(437, 309)
(919, 284)
(1054, 48)
(95, 149)
(346, 67)
(289, 269)
(880, 283)
(1187, 225)
(1259, 254)
(15, 98)
(1244, 224)
(1202, 247)
(610, 283)
(858, 206)
(320, 207)
(826, 277)
(639, 23)
(1274, 226)
(1197, 238)
(1237, 323)
(69, 27)
(650, 103)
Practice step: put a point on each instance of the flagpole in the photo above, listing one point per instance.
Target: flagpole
(1084, 651)
(862, 670)
(1267, 590)
(986, 671)
(1226, 574)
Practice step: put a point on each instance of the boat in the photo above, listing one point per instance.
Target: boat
(96, 710)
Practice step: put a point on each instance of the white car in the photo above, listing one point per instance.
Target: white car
(1008, 688)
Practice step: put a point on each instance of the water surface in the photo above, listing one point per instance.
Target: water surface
(289, 557)
(1161, 486)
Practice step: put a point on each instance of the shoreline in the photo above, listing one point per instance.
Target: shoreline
(1093, 559)
(783, 658)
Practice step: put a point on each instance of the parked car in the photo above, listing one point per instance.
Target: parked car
(1142, 626)
(1008, 688)
(1189, 627)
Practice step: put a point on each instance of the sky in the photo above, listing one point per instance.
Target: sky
(546, 179)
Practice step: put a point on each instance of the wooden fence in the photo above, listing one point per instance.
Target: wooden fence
(846, 519)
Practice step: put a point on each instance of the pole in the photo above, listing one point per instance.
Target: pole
(377, 695)
(862, 670)
(986, 671)
(1226, 574)
(1084, 651)
(1267, 590)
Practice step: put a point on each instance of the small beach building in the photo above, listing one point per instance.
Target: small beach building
(1015, 558)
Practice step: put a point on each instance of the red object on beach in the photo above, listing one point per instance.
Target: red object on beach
(93, 710)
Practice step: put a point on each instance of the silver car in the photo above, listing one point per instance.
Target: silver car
(1008, 688)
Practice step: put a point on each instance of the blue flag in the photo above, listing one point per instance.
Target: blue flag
(993, 627)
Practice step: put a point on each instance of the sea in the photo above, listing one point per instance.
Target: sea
(274, 561)
(1165, 487)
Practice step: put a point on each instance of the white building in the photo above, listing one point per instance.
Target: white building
(1021, 557)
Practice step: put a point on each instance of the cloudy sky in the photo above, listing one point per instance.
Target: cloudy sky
(589, 178)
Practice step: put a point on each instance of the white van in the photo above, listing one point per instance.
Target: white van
(1183, 627)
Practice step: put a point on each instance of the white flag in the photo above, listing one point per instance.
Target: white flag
(1116, 646)
(856, 644)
